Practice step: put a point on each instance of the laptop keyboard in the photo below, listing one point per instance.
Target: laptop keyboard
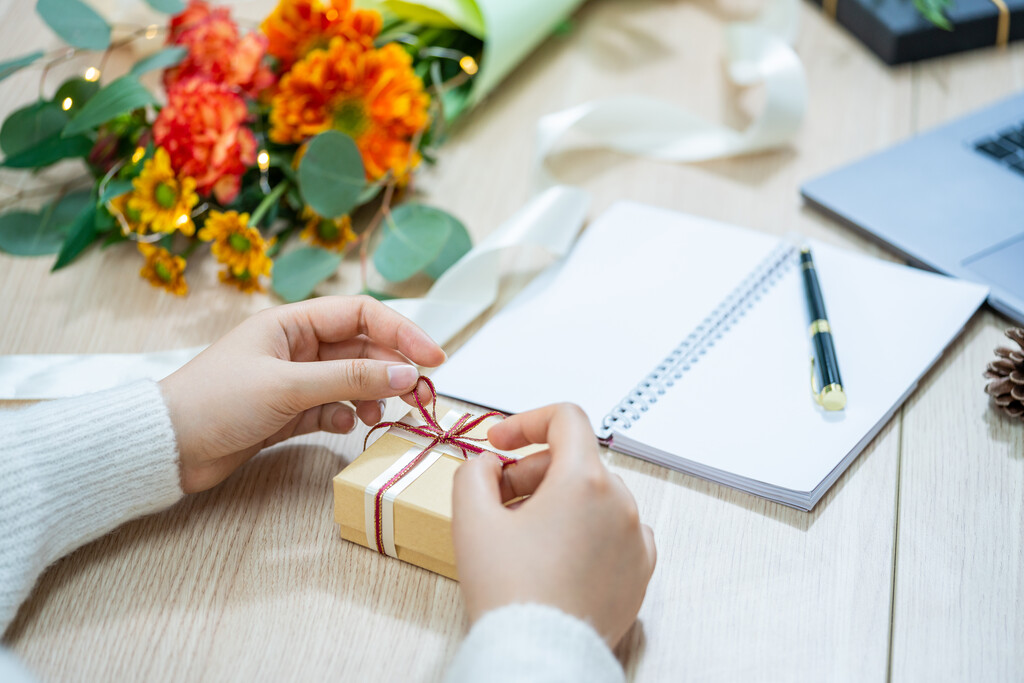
(1006, 147)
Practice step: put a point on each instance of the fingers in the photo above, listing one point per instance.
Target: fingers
(360, 346)
(316, 383)
(335, 319)
(476, 493)
(652, 550)
(522, 477)
(564, 427)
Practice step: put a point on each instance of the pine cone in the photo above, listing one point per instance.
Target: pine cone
(1007, 375)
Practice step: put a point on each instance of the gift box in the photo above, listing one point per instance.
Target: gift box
(896, 31)
(414, 463)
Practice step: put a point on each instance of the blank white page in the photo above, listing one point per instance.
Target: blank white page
(746, 407)
(590, 328)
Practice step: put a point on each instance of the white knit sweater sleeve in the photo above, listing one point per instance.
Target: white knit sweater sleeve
(534, 643)
(74, 469)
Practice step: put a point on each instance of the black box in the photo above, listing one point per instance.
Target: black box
(896, 31)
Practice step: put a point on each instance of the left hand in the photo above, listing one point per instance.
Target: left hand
(283, 372)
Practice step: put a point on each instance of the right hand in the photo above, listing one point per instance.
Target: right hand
(576, 543)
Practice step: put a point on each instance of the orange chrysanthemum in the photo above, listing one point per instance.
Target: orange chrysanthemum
(163, 269)
(372, 95)
(329, 234)
(216, 50)
(203, 129)
(297, 27)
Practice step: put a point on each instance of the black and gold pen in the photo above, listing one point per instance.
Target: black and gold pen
(826, 385)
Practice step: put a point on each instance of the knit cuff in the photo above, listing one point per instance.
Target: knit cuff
(76, 468)
(534, 643)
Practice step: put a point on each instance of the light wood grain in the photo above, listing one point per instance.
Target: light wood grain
(250, 580)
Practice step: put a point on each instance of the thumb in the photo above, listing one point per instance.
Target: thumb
(318, 382)
(477, 493)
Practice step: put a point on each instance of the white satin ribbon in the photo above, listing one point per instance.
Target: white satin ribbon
(759, 52)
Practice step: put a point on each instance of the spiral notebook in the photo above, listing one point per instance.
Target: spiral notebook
(686, 343)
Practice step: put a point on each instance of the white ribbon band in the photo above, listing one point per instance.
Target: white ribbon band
(387, 510)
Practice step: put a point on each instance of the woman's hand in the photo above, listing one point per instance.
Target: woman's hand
(576, 543)
(282, 372)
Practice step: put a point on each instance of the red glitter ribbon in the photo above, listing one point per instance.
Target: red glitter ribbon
(431, 429)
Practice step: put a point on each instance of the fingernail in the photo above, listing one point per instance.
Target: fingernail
(351, 427)
(402, 376)
(382, 404)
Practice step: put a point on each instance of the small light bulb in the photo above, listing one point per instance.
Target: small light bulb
(331, 14)
(92, 74)
(469, 65)
(138, 154)
(66, 104)
(263, 159)
(151, 32)
(182, 219)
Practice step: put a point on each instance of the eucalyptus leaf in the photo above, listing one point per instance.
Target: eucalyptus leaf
(23, 233)
(12, 66)
(297, 273)
(49, 152)
(331, 175)
(79, 90)
(414, 240)
(114, 189)
(458, 244)
(119, 97)
(81, 235)
(70, 207)
(165, 59)
(77, 23)
(167, 6)
(31, 125)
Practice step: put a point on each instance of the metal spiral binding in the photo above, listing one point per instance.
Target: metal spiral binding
(703, 337)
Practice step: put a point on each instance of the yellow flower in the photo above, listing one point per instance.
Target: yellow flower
(163, 200)
(373, 95)
(326, 233)
(132, 218)
(239, 247)
(245, 282)
(163, 269)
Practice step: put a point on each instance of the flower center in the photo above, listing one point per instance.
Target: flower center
(162, 271)
(165, 194)
(239, 243)
(243, 276)
(350, 118)
(134, 215)
(328, 231)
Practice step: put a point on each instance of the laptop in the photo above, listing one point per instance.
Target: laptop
(950, 200)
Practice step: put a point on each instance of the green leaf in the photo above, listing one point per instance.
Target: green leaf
(165, 59)
(12, 66)
(31, 125)
(118, 97)
(115, 188)
(167, 6)
(29, 234)
(67, 210)
(79, 90)
(297, 273)
(416, 239)
(77, 23)
(331, 175)
(455, 248)
(49, 151)
(81, 235)
(935, 12)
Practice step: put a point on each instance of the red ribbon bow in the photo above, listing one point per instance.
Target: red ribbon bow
(455, 436)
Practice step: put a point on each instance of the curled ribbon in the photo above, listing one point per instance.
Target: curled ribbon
(455, 436)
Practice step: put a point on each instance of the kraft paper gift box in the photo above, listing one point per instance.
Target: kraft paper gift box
(421, 511)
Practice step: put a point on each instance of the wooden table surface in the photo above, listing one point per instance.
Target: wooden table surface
(911, 568)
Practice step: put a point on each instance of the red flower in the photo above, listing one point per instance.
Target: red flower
(216, 51)
(203, 129)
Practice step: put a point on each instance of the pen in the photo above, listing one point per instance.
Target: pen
(826, 385)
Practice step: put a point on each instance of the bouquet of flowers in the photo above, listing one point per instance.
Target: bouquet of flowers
(260, 144)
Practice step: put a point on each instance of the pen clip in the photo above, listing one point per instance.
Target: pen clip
(815, 390)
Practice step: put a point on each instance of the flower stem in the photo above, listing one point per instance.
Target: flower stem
(268, 201)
